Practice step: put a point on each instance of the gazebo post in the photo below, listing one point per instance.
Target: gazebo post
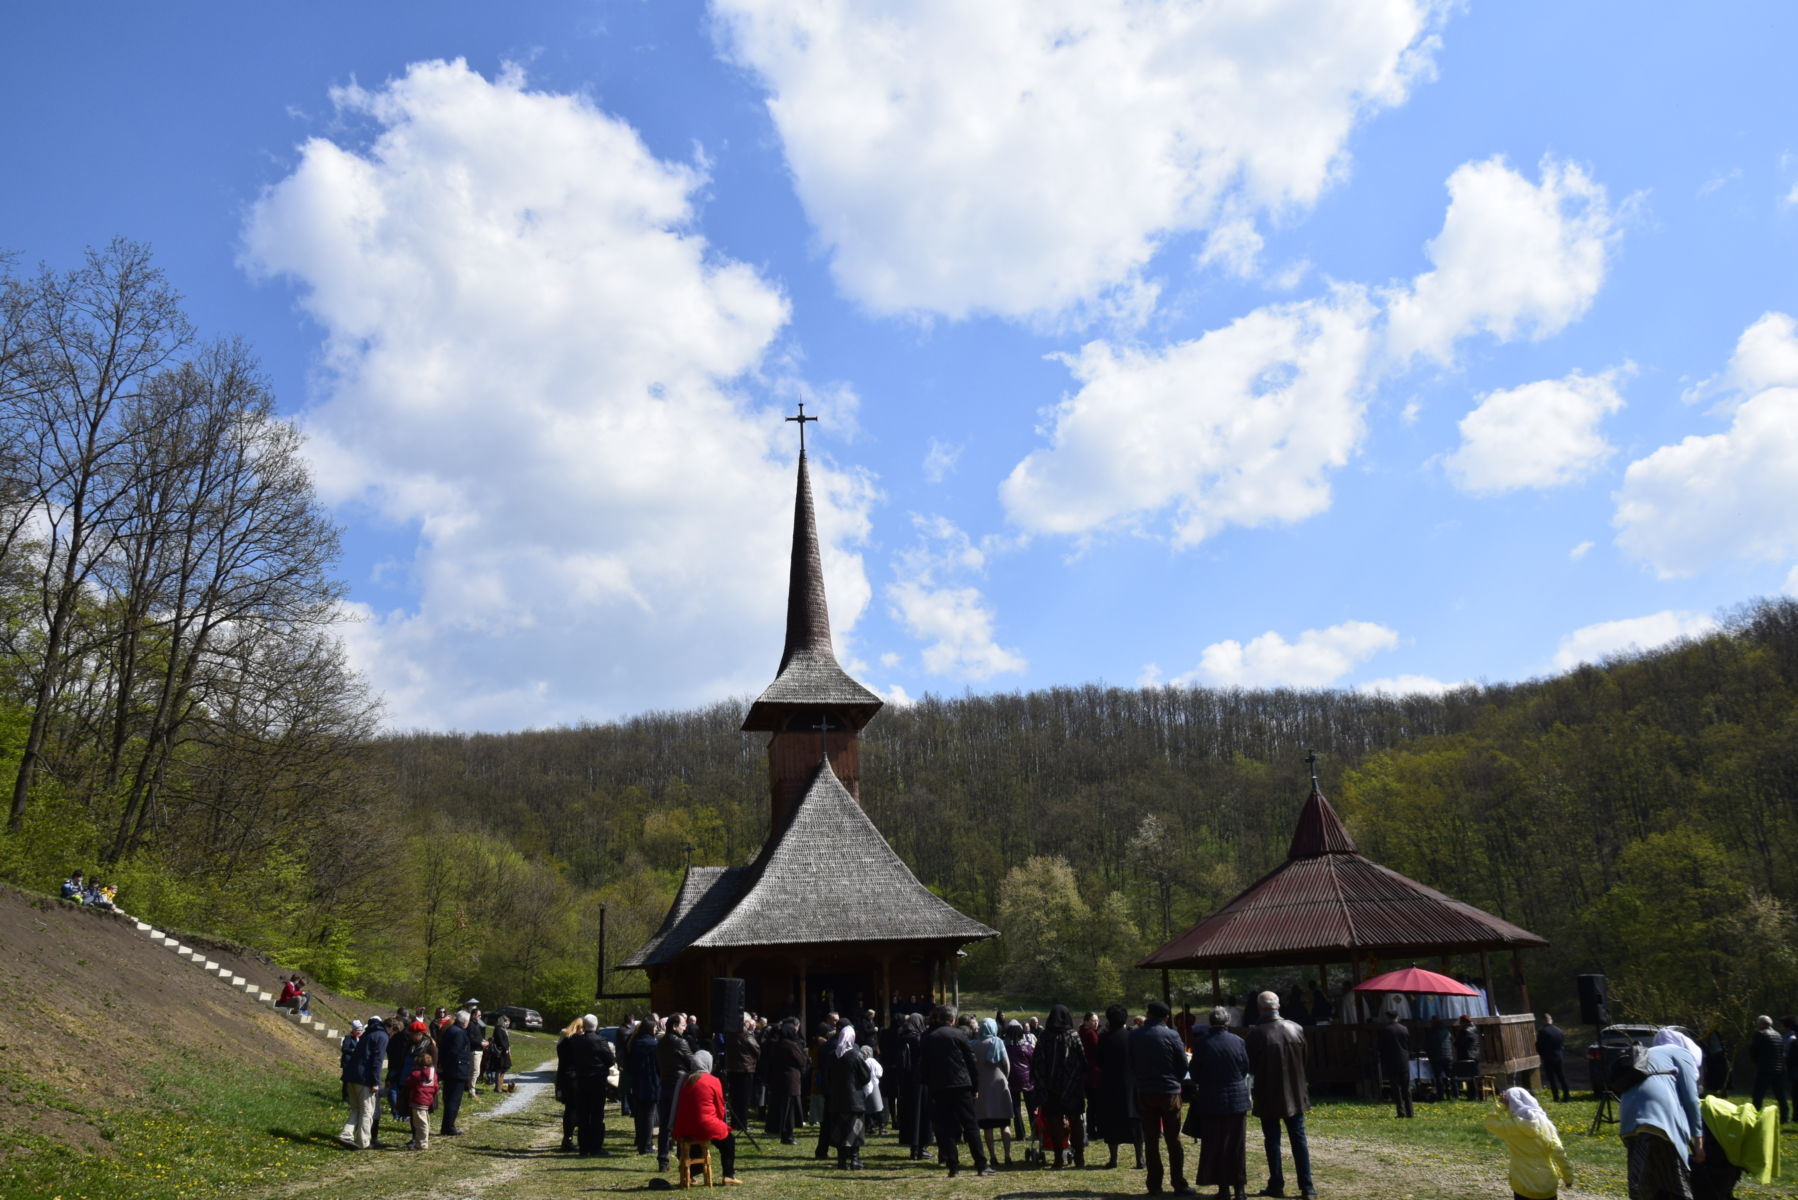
(1486, 978)
(1523, 987)
(1167, 991)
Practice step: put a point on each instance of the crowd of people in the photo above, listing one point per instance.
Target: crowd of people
(79, 888)
(1043, 1093)
(409, 1064)
(1037, 1093)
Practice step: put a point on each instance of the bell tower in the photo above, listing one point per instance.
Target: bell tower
(813, 709)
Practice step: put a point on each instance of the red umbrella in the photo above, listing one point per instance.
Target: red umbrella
(1415, 979)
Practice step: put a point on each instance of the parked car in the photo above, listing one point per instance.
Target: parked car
(521, 1018)
(1612, 1041)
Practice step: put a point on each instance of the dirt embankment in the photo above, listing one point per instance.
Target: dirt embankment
(89, 1006)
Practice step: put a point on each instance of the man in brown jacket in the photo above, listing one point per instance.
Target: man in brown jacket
(1277, 1059)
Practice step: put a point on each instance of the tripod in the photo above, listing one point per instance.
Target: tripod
(1605, 1115)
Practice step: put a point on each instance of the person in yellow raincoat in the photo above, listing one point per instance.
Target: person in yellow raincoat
(1538, 1161)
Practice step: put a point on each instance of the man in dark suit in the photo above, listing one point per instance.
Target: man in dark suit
(454, 1065)
(1550, 1042)
(1392, 1042)
(949, 1074)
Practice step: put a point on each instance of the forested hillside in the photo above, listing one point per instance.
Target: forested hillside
(1642, 815)
(176, 714)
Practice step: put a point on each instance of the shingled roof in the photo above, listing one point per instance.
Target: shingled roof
(829, 876)
(809, 677)
(1327, 902)
(706, 894)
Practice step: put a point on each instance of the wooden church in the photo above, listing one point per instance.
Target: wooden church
(826, 917)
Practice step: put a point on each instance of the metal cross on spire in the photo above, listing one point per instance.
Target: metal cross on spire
(802, 419)
(1312, 759)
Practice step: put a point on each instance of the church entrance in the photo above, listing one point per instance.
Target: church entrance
(843, 992)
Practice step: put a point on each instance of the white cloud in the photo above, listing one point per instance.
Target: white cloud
(1317, 659)
(1409, 685)
(528, 358)
(935, 605)
(1026, 157)
(1580, 551)
(1791, 588)
(1233, 245)
(1513, 259)
(1238, 427)
(1595, 643)
(940, 459)
(897, 696)
(1719, 181)
(1729, 495)
(1539, 435)
(1766, 355)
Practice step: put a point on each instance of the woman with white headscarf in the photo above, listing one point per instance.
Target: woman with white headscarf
(846, 1076)
(1538, 1160)
(1658, 1117)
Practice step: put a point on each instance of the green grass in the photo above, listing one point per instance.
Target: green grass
(1451, 1135)
(191, 1133)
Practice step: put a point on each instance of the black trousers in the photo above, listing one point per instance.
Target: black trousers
(1554, 1074)
(727, 1156)
(914, 1119)
(452, 1104)
(1161, 1123)
(590, 1120)
(1774, 1081)
(665, 1112)
(783, 1115)
(644, 1115)
(570, 1122)
(952, 1112)
(1398, 1078)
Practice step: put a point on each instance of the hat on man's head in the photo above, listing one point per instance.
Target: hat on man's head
(418, 1027)
(355, 1027)
(471, 1004)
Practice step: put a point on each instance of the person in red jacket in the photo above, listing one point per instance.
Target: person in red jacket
(420, 1091)
(699, 1114)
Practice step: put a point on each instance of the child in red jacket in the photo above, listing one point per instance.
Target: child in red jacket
(420, 1090)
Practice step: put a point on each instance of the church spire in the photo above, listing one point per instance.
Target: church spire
(809, 678)
(808, 612)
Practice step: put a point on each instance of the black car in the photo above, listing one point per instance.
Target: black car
(521, 1018)
(1602, 1054)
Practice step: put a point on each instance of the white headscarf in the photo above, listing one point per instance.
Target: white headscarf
(845, 1040)
(1525, 1107)
(1673, 1037)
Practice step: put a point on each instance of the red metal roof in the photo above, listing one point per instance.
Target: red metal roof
(1326, 903)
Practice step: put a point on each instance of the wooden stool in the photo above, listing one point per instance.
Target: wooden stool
(695, 1154)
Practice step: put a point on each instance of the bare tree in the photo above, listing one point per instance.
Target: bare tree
(85, 344)
(232, 541)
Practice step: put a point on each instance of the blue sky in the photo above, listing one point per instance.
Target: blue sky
(1377, 344)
